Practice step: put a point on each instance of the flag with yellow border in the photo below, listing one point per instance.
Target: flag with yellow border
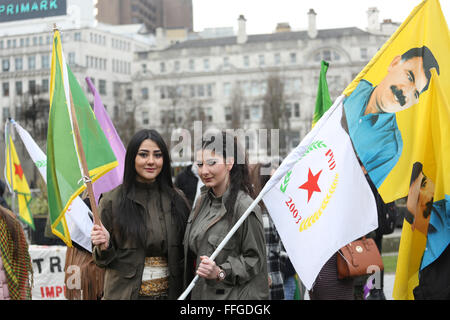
(65, 180)
(398, 117)
(18, 183)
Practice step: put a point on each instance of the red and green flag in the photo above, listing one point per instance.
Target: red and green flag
(65, 180)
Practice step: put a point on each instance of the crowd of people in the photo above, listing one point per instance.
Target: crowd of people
(156, 235)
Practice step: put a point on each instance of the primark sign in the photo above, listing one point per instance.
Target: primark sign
(12, 10)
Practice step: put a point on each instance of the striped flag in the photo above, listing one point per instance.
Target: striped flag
(114, 177)
(78, 216)
(17, 182)
(65, 180)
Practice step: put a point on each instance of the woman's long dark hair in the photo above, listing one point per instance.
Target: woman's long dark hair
(239, 173)
(130, 220)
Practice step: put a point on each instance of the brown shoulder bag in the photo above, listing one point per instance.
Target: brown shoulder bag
(359, 258)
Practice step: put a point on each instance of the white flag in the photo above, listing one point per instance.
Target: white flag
(319, 198)
(77, 215)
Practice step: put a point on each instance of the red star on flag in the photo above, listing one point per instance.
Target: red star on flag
(18, 170)
(311, 185)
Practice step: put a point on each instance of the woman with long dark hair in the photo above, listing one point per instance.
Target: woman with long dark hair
(143, 221)
(240, 269)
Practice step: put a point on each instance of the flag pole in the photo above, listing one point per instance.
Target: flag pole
(82, 156)
(224, 241)
(289, 161)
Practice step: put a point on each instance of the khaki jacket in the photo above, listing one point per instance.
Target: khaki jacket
(243, 258)
(124, 262)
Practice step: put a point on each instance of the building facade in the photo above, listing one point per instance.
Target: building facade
(230, 82)
(153, 13)
(102, 52)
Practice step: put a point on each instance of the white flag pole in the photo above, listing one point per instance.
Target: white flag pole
(278, 174)
(224, 242)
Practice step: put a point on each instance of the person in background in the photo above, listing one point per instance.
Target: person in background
(16, 271)
(143, 223)
(239, 272)
(189, 182)
(89, 286)
(2, 191)
(259, 178)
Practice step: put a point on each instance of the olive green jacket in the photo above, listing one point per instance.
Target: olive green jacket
(124, 262)
(243, 258)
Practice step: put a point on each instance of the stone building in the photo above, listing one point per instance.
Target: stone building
(229, 82)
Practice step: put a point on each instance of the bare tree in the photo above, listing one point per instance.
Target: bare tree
(236, 106)
(124, 118)
(274, 111)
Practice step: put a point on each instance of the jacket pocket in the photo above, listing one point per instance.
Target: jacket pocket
(214, 240)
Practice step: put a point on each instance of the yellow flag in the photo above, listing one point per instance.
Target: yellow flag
(398, 117)
(19, 183)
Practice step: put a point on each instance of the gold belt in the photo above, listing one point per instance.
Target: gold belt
(155, 277)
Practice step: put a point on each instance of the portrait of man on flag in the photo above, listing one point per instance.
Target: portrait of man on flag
(370, 111)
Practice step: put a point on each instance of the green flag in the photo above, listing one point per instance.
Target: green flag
(323, 100)
(64, 172)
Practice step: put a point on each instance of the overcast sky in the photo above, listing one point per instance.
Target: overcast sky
(263, 15)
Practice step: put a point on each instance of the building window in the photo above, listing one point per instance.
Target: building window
(18, 62)
(228, 114)
(261, 60)
(226, 62)
(44, 85)
(102, 86)
(145, 117)
(45, 61)
(297, 110)
(246, 61)
(19, 88)
(129, 94)
(144, 93)
(206, 64)
(177, 66)
(255, 112)
(5, 65)
(277, 58)
(363, 52)
(32, 86)
(201, 90)
(293, 57)
(191, 64)
(246, 113)
(209, 89)
(71, 58)
(288, 110)
(226, 89)
(31, 62)
(77, 36)
(5, 87)
(6, 113)
(162, 67)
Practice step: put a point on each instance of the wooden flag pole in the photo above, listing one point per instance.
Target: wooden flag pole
(82, 156)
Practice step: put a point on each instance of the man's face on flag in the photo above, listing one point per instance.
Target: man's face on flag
(419, 202)
(401, 87)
